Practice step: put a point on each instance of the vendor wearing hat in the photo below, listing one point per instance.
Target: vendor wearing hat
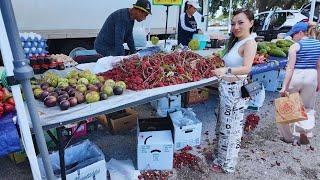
(302, 76)
(118, 28)
(187, 23)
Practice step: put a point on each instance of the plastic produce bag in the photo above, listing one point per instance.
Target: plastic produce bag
(77, 157)
(184, 117)
(122, 170)
(9, 138)
(139, 36)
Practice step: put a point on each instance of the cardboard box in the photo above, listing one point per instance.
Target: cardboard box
(102, 119)
(186, 134)
(197, 96)
(122, 120)
(155, 144)
(165, 105)
(18, 157)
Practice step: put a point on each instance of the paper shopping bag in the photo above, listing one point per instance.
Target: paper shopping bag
(290, 109)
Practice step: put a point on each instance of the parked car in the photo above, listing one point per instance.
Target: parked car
(270, 23)
(305, 10)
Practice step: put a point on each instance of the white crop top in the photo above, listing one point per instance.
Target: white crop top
(233, 58)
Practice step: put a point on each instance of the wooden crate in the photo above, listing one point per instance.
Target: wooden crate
(197, 96)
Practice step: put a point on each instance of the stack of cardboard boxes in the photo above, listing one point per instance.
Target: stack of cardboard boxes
(158, 138)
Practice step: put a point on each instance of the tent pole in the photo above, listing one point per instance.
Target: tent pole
(22, 73)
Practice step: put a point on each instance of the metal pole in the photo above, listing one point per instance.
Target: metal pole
(206, 6)
(165, 38)
(61, 152)
(23, 122)
(22, 73)
(312, 8)
(230, 11)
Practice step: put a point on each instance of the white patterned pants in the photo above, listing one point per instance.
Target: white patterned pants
(230, 123)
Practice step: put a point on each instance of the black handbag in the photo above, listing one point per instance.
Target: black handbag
(251, 89)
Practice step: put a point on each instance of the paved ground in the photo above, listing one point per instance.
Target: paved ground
(263, 155)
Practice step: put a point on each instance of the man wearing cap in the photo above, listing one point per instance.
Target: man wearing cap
(302, 76)
(118, 28)
(187, 24)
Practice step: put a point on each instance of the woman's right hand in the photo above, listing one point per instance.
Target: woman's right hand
(318, 87)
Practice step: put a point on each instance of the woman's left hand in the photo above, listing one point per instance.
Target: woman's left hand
(283, 92)
(219, 72)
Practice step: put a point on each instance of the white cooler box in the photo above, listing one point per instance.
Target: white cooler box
(155, 144)
(187, 128)
(165, 105)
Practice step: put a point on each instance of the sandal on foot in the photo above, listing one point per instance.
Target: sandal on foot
(304, 139)
(296, 142)
(216, 168)
(284, 140)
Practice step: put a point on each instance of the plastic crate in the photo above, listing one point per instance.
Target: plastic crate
(269, 79)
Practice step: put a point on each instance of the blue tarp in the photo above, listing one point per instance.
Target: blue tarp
(274, 63)
(9, 138)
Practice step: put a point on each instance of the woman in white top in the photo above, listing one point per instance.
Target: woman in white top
(241, 50)
(187, 25)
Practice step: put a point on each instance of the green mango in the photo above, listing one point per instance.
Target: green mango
(263, 51)
(277, 52)
(285, 50)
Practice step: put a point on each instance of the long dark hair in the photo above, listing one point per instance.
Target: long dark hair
(249, 15)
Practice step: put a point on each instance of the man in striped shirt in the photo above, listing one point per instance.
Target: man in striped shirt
(302, 76)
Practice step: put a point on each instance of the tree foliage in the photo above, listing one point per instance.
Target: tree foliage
(260, 5)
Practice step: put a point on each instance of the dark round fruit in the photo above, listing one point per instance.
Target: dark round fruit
(62, 97)
(99, 85)
(64, 105)
(68, 88)
(117, 90)
(73, 101)
(50, 89)
(44, 85)
(50, 101)
(58, 90)
(92, 87)
(54, 94)
(63, 92)
(103, 96)
(80, 97)
(72, 92)
(43, 95)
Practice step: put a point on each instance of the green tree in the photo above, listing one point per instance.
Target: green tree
(260, 5)
(264, 5)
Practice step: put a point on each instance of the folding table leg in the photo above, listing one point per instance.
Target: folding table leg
(61, 152)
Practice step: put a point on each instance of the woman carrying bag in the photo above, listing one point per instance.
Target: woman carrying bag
(302, 76)
(238, 60)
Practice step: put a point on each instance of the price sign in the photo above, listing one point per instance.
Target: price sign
(167, 2)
